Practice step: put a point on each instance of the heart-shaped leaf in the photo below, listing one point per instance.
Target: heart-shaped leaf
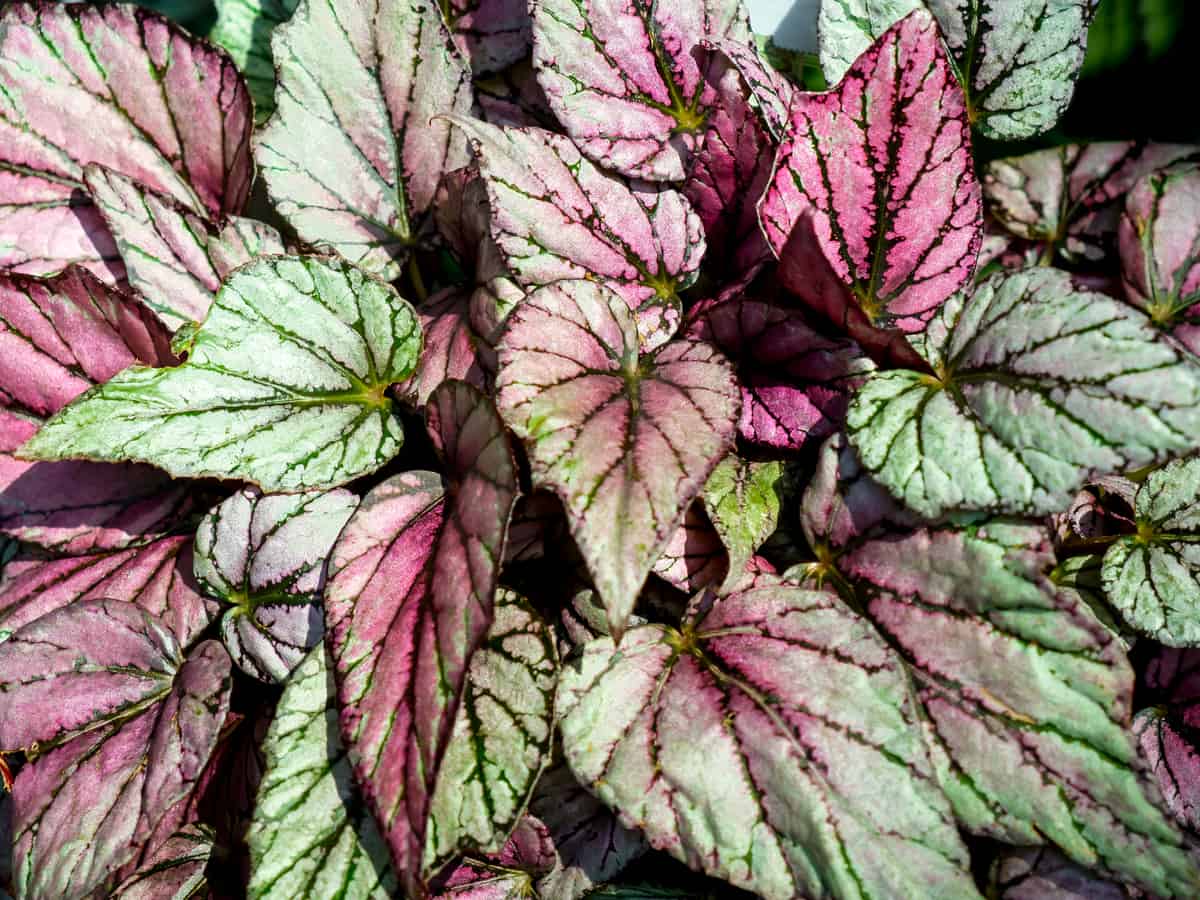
(743, 503)
(492, 34)
(451, 348)
(312, 835)
(264, 556)
(176, 869)
(719, 741)
(122, 87)
(879, 169)
(554, 215)
(361, 79)
(628, 79)
(626, 441)
(244, 29)
(1097, 392)
(283, 386)
(408, 600)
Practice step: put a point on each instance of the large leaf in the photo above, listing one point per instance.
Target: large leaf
(244, 29)
(879, 171)
(773, 743)
(1017, 59)
(119, 86)
(1152, 577)
(312, 835)
(361, 79)
(743, 503)
(408, 601)
(284, 385)
(554, 215)
(1037, 387)
(264, 556)
(626, 441)
(622, 77)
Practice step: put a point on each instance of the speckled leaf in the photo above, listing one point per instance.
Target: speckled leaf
(743, 504)
(1025, 406)
(771, 743)
(264, 556)
(312, 835)
(556, 216)
(244, 29)
(795, 382)
(627, 78)
(361, 79)
(119, 86)
(284, 385)
(174, 871)
(408, 601)
(627, 442)
(492, 34)
(880, 170)
(451, 348)
(694, 557)
(1152, 577)
(85, 808)
(501, 737)
(1041, 873)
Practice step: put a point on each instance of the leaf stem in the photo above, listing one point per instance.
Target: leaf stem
(418, 283)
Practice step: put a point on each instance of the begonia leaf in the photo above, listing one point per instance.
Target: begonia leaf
(408, 600)
(175, 870)
(508, 874)
(769, 90)
(283, 386)
(1169, 743)
(1041, 873)
(1025, 406)
(450, 350)
(772, 743)
(263, 556)
(361, 79)
(555, 216)
(122, 87)
(312, 835)
(627, 78)
(492, 34)
(880, 170)
(694, 557)
(244, 29)
(626, 441)
(743, 503)
(513, 98)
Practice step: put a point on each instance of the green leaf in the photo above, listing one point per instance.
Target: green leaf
(284, 386)
(244, 28)
(743, 506)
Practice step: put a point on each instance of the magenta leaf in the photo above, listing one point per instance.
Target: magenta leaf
(451, 348)
(361, 80)
(770, 91)
(694, 557)
(773, 743)
(556, 216)
(263, 556)
(1168, 743)
(796, 383)
(1041, 873)
(121, 87)
(493, 34)
(408, 601)
(881, 169)
(626, 441)
(175, 869)
(509, 874)
(627, 78)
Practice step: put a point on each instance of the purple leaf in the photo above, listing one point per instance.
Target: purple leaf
(772, 743)
(264, 556)
(796, 383)
(1039, 873)
(625, 80)
(175, 869)
(408, 601)
(450, 350)
(507, 875)
(626, 441)
(694, 557)
(121, 87)
(556, 216)
(881, 168)
(361, 80)
(1168, 743)
(770, 91)
(493, 34)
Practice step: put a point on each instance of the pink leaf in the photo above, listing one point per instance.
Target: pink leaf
(451, 348)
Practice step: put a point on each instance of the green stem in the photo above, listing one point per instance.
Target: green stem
(418, 283)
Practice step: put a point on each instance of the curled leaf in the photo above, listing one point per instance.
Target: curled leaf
(450, 349)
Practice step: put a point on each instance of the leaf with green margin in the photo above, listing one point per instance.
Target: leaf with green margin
(175, 871)
(1096, 390)
(284, 386)
(312, 835)
(773, 742)
(743, 505)
(501, 738)
(244, 29)
(361, 79)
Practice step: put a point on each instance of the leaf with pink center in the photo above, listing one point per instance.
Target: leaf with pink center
(408, 601)
(175, 869)
(451, 349)
(555, 216)
(694, 557)
(492, 34)
(627, 78)
(626, 441)
(264, 557)
(121, 87)
(362, 80)
(773, 743)
(880, 170)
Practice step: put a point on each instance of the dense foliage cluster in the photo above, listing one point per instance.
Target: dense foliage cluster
(483, 449)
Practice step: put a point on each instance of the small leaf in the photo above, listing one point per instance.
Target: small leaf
(312, 835)
(623, 80)
(244, 29)
(694, 557)
(743, 504)
(1168, 743)
(450, 348)
(492, 34)
(554, 216)
(175, 870)
(770, 92)
(265, 556)
(506, 875)
(284, 386)
(361, 79)
(1095, 389)
(627, 442)
(1040, 873)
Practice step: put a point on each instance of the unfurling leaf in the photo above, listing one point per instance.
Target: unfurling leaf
(284, 385)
